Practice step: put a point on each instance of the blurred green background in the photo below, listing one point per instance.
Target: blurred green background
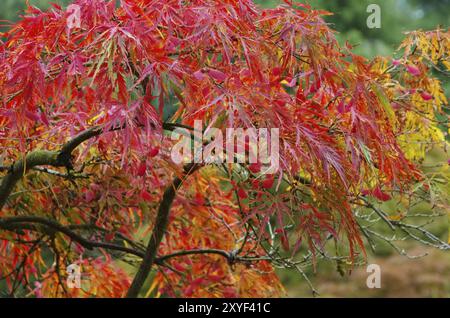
(426, 277)
(397, 16)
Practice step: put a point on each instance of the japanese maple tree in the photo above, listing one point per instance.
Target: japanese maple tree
(90, 94)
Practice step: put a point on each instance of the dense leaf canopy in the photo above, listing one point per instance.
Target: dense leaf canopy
(85, 117)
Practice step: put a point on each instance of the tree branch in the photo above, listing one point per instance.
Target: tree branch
(162, 220)
(66, 151)
(60, 174)
(223, 253)
(52, 226)
(19, 168)
(60, 158)
(43, 158)
(49, 227)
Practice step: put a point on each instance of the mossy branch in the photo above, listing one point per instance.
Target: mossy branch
(36, 158)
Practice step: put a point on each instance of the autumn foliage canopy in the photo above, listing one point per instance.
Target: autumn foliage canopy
(89, 96)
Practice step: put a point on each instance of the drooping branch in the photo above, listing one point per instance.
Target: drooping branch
(162, 220)
(66, 151)
(68, 175)
(20, 167)
(416, 232)
(223, 253)
(61, 158)
(36, 158)
(49, 226)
